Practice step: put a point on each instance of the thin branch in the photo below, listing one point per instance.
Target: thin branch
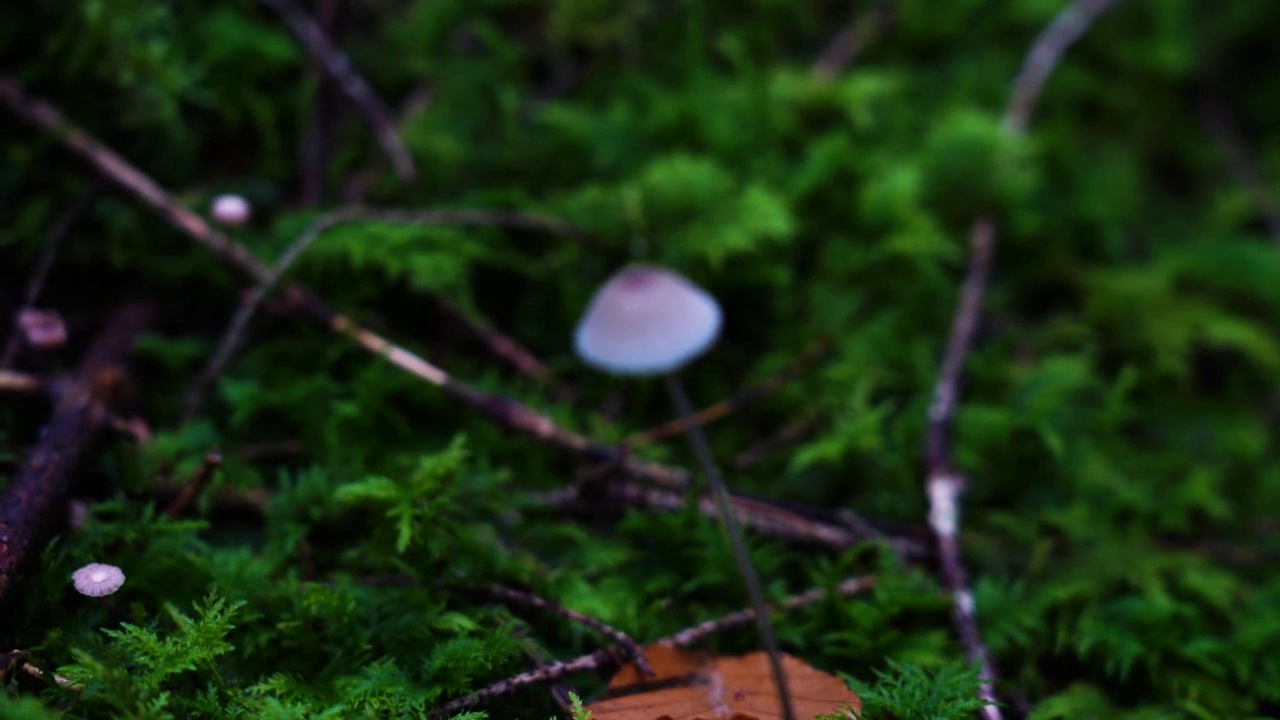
(724, 408)
(16, 382)
(615, 635)
(1217, 118)
(357, 187)
(313, 147)
(746, 616)
(233, 337)
(31, 497)
(607, 657)
(786, 436)
(195, 485)
(1043, 57)
(507, 412)
(504, 347)
(343, 73)
(850, 42)
(798, 525)
(944, 483)
(17, 660)
(35, 285)
(559, 690)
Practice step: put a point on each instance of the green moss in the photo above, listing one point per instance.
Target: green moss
(1116, 420)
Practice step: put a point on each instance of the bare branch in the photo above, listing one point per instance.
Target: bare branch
(1217, 118)
(16, 382)
(30, 498)
(615, 635)
(343, 73)
(195, 485)
(601, 659)
(507, 412)
(944, 483)
(841, 51)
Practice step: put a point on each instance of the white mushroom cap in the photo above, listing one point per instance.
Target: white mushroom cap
(646, 321)
(97, 579)
(230, 210)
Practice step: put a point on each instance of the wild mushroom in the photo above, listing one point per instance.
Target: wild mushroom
(98, 580)
(230, 210)
(647, 320)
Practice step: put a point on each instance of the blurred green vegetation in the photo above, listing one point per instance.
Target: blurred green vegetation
(1116, 421)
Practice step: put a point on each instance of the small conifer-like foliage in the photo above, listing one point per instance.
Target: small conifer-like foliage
(1116, 422)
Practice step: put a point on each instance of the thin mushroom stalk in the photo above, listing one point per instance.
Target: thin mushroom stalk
(647, 320)
(720, 493)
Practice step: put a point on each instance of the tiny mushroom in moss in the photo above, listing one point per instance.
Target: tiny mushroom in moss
(647, 320)
(97, 579)
(230, 210)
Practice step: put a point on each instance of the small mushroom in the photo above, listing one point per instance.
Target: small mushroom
(647, 320)
(97, 579)
(42, 329)
(230, 210)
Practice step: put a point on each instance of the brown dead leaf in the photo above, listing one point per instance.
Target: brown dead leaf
(691, 686)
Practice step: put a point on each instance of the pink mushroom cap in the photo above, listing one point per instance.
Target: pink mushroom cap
(97, 579)
(230, 210)
(646, 320)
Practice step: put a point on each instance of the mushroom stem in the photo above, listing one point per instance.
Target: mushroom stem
(702, 450)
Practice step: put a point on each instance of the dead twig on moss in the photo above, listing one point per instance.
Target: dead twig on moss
(356, 189)
(17, 660)
(504, 347)
(849, 42)
(232, 338)
(339, 68)
(815, 352)
(746, 616)
(15, 382)
(944, 482)
(1217, 118)
(785, 437)
(840, 532)
(608, 657)
(32, 496)
(195, 485)
(509, 413)
(616, 636)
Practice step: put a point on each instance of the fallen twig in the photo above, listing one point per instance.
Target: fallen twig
(699, 632)
(1217, 118)
(944, 482)
(838, 533)
(195, 485)
(509, 413)
(16, 382)
(504, 347)
(615, 635)
(357, 187)
(234, 334)
(340, 70)
(850, 41)
(608, 656)
(314, 150)
(786, 436)
(768, 386)
(17, 660)
(559, 690)
(32, 496)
